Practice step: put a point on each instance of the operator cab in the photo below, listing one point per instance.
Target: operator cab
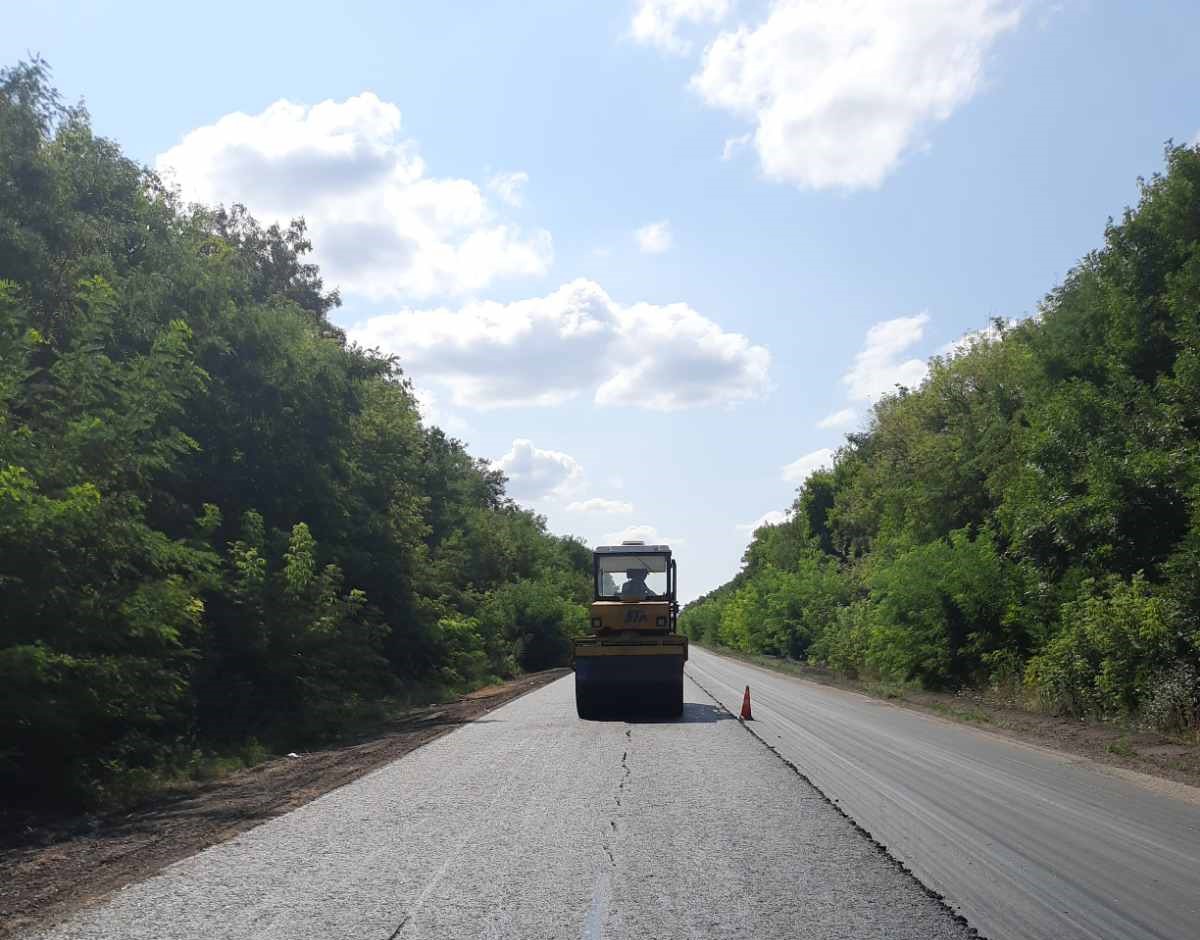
(634, 571)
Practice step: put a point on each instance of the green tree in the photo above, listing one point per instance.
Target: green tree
(217, 517)
(1035, 502)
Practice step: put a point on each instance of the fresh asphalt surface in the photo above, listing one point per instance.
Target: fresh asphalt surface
(1023, 841)
(531, 823)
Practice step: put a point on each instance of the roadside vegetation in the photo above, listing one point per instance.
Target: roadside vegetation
(223, 528)
(1028, 519)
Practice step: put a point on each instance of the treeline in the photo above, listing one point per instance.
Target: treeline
(1030, 515)
(221, 525)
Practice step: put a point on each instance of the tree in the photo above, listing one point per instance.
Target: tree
(1036, 500)
(218, 519)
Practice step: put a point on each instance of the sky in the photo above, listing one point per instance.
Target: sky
(654, 258)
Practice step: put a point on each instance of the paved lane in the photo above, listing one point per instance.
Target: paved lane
(1023, 841)
(531, 823)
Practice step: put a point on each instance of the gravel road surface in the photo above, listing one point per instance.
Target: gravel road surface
(531, 823)
(1025, 842)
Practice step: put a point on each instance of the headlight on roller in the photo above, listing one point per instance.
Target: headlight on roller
(660, 622)
(596, 623)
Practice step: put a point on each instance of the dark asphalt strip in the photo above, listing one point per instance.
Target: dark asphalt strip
(879, 846)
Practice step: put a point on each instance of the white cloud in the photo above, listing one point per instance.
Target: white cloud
(644, 533)
(655, 238)
(509, 187)
(839, 419)
(774, 517)
(599, 505)
(734, 145)
(799, 470)
(534, 473)
(839, 92)
(547, 350)
(432, 414)
(968, 340)
(426, 405)
(657, 22)
(380, 225)
(670, 358)
(878, 369)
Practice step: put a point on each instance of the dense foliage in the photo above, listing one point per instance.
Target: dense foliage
(1028, 516)
(219, 521)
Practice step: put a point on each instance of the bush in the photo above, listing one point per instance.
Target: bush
(778, 611)
(842, 646)
(1116, 639)
(941, 608)
(464, 657)
(701, 620)
(1172, 701)
(536, 619)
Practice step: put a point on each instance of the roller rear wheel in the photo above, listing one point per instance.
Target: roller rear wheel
(674, 703)
(586, 705)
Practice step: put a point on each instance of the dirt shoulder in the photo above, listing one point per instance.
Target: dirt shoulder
(63, 865)
(1114, 743)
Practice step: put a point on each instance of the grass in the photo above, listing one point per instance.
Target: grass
(973, 715)
(888, 690)
(129, 787)
(1121, 747)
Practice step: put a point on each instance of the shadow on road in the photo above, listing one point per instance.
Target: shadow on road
(693, 713)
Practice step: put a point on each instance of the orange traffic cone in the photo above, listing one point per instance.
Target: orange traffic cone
(746, 716)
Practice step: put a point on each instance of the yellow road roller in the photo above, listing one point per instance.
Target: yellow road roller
(632, 662)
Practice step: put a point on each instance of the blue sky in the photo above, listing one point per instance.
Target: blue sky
(826, 194)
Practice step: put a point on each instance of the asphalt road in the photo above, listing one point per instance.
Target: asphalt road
(1025, 842)
(531, 823)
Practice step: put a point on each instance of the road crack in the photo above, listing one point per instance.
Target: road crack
(607, 835)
